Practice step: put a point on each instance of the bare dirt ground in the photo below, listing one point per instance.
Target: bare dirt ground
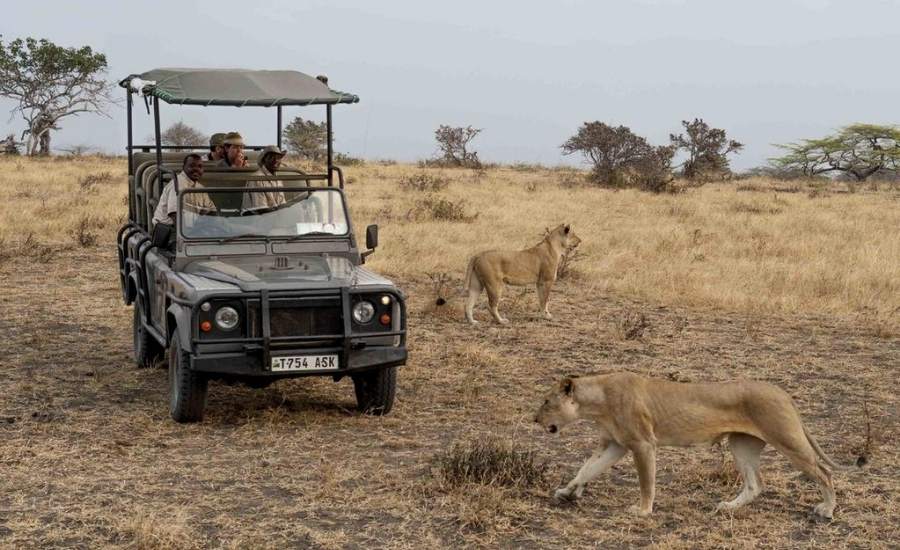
(90, 458)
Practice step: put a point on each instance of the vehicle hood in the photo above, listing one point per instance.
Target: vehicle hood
(285, 272)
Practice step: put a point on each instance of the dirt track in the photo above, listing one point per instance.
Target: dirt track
(90, 457)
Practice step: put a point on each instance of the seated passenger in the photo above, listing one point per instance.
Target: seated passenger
(233, 147)
(269, 162)
(188, 178)
(216, 148)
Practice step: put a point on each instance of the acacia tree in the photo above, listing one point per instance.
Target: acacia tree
(49, 83)
(616, 152)
(453, 144)
(182, 135)
(306, 138)
(707, 149)
(858, 150)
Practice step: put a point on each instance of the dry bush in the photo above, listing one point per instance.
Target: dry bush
(425, 182)
(440, 209)
(84, 236)
(31, 248)
(490, 461)
(631, 325)
(569, 258)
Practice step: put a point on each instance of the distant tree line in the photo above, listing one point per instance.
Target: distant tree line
(49, 83)
(621, 158)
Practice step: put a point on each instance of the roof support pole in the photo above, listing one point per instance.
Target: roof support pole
(156, 130)
(279, 127)
(128, 103)
(329, 139)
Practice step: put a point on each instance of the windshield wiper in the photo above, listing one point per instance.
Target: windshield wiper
(244, 236)
(310, 234)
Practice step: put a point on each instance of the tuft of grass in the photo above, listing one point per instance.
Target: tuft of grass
(86, 183)
(440, 209)
(755, 208)
(423, 181)
(490, 461)
(631, 325)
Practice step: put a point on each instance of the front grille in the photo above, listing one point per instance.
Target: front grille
(308, 321)
(288, 317)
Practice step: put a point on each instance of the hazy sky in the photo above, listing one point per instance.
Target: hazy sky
(529, 73)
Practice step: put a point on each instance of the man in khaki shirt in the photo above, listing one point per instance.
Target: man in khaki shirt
(269, 163)
(188, 178)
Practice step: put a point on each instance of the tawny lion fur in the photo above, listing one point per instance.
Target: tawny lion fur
(640, 414)
(537, 265)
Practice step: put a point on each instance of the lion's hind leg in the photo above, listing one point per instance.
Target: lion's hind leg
(495, 292)
(796, 447)
(746, 450)
(474, 289)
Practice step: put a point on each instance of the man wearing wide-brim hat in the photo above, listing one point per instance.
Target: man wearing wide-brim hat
(269, 163)
(216, 147)
(233, 144)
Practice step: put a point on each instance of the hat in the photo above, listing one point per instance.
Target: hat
(270, 150)
(216, 140)
(233, 138)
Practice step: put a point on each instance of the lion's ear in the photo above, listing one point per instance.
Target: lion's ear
(566, 230)
(567, 385)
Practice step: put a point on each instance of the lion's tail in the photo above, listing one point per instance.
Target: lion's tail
(861, 461)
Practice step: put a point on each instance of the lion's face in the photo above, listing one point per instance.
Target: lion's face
(559, 408)
(565, 236)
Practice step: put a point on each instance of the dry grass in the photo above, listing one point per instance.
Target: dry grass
(720, 285)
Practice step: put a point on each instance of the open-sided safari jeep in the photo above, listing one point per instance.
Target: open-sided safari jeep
(252, 295)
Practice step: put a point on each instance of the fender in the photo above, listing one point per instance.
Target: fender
(131, 288)
(178, 318)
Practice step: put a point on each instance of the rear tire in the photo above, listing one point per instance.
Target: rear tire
(375, 391)
(147, 350)
(187, 388)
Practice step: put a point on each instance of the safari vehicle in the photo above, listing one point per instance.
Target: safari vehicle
(252, 295)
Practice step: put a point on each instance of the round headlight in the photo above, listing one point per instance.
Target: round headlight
(227, 318)
(363, 312)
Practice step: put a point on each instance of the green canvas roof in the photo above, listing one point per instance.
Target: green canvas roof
(237, 87)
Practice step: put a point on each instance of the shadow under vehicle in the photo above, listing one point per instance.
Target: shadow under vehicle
(252, 293)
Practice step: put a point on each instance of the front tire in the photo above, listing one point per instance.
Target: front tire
(375, 391)
(187, 388)
(147, 350)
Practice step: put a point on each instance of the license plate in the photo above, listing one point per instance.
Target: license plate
(305, 362)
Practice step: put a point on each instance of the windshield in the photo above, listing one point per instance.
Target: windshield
(261, 213)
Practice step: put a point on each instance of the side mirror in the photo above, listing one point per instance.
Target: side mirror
(371, 241)
(372, 237)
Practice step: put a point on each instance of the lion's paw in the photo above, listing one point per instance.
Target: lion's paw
(824, 511)
(640, 512)
(565, 494)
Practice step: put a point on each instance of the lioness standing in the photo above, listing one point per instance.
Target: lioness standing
(536, 265)
(639, 414)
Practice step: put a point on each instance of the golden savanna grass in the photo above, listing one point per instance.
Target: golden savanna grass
(754, 246)
(797, 284)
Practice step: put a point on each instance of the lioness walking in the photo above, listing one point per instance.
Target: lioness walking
(639, 414)
(536, 265)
